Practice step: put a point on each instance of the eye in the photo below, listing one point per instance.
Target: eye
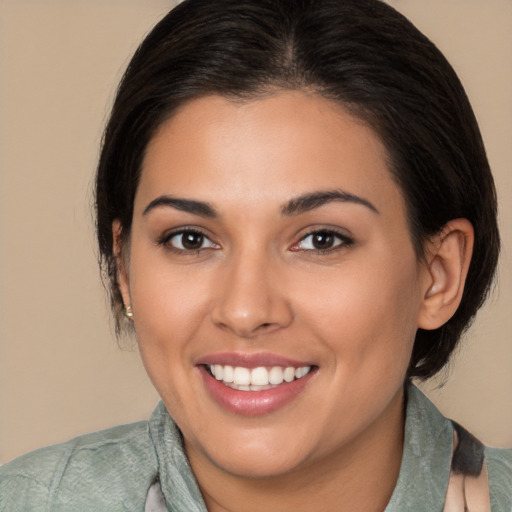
(188, 240)
(322, 241)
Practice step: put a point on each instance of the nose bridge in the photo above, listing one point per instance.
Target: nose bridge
(250, 297)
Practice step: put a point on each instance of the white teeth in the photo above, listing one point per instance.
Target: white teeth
(218, 371)
(299, 372)
(260, 388)
(241, 376)
(275, 375)
(289, 374)
(228, 374)
(259, 376)
(256, 379)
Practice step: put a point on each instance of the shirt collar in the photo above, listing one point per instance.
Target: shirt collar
(179, 485)
(426, 459)
(422, 481)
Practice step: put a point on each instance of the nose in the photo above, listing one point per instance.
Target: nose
(251, 299)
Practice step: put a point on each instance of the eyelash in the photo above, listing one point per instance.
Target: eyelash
(343, 241)
(166, 241)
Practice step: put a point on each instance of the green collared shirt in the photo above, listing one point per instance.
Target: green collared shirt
(112, 470)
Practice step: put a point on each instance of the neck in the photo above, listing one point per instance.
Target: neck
(360, 476)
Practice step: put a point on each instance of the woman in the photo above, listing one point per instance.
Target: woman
(296, 216)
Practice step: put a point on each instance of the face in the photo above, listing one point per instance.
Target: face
(273, 281)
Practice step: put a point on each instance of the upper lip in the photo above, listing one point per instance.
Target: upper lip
(250, 360)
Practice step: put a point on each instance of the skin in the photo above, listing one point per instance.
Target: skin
(257, 285)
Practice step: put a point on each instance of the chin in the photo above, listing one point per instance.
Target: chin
(258, 466)
(253, 454)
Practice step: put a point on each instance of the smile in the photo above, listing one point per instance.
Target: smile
(256, 379)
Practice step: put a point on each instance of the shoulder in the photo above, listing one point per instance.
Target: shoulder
(430, 435)
(499, 465)
(97, 466)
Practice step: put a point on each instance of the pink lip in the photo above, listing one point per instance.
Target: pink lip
(250, 360)
(253, 403)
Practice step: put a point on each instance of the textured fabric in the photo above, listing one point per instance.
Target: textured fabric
(105, 471)
(114, 470)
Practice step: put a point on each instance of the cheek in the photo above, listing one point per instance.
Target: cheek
(167, 320)
(167, 306)
(166, 300)
(366, 313)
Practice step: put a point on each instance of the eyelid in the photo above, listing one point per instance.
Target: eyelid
(165, 240)
(343, 241)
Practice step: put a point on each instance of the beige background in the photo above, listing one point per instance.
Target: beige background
(61, 371)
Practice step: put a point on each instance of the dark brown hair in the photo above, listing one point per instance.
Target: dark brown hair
(359, 53)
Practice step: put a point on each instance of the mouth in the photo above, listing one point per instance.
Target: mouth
(261, 378)
(254, 385)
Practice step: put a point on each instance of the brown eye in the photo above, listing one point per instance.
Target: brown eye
(322, 241)
(189, 240)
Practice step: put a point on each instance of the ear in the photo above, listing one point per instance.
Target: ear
(448, 258)
(122, 271)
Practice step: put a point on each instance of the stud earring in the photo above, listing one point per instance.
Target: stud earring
(128, 312)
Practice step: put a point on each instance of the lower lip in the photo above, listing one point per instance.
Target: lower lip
(253, 403)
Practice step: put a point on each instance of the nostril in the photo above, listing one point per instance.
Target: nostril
(265, 326)
(249, 315)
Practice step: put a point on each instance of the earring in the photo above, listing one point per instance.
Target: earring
(127, 312)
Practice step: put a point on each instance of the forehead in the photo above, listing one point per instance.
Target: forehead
(265, 150)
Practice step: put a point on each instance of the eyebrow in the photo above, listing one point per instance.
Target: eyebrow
(295, 206)
(314, 200)
(185, 205)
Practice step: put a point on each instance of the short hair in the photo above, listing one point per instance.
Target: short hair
(361, 54)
